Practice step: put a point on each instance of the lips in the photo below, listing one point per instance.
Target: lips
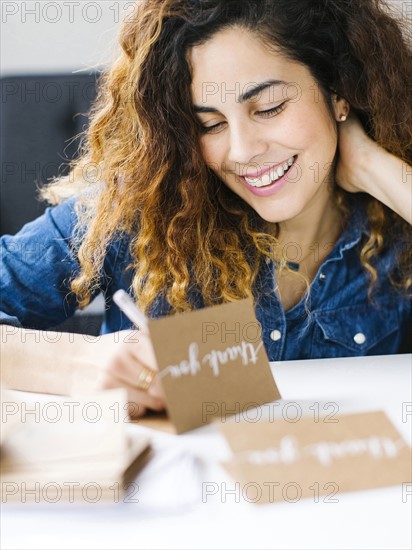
(276, 182)
(270, 175)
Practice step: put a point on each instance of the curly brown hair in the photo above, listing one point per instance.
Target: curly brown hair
(143, 143)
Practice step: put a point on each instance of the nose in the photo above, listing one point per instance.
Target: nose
(245, 142)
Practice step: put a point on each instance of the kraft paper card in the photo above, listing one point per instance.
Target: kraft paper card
(67, 449)
(212, 363)
(283, 461)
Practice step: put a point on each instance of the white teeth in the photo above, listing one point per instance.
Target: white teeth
(272, 175)
(266, 179)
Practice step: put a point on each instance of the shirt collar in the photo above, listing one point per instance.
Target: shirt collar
(357, 225)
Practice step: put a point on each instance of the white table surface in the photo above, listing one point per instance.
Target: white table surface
(170, 512)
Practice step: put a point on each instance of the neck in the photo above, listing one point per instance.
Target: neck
(316, 229)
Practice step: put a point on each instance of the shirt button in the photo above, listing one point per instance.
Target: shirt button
(276, 335)
(360, 338)
(322, 277)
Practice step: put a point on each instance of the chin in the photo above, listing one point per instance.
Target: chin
(276, 215)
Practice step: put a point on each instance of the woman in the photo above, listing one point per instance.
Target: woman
(216, 135)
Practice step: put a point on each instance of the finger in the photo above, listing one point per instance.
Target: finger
(156, 389)
(135, 410)
(148, 401)
(135, 395)
(150, 362)
(139, 347)
(125, 369)
(127, 366)
(144, 351)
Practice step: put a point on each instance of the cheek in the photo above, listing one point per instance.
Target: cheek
(324, 127)
(210, 153)
(312, 125)
(309, 130)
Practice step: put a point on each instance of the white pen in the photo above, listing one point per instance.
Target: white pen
(129, 308)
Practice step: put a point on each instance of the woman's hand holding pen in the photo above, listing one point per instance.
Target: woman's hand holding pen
(126, 359)
(122, 359)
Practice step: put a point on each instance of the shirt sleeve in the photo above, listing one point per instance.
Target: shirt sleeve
(36, 267)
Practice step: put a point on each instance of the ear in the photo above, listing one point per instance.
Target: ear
(341, 108)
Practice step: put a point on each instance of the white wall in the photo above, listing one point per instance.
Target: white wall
(46, 36)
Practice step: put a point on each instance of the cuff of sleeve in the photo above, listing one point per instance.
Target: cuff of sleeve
(6, 319)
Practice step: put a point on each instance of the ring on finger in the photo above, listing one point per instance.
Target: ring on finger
(145, 379)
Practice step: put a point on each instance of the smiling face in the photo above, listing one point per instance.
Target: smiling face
(268, 132)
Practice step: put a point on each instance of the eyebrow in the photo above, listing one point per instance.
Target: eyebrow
(243, 97)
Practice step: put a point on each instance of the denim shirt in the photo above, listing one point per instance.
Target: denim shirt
(338, 319)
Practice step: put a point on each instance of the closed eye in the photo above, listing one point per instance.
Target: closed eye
(268, 113)
(273, 111)
(211, 129)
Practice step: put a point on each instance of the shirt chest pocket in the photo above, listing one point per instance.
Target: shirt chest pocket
(356, 330)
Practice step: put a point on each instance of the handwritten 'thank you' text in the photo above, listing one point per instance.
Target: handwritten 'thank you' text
(247, 352)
